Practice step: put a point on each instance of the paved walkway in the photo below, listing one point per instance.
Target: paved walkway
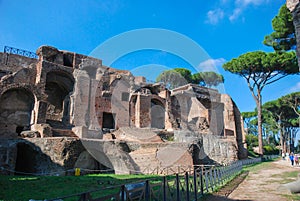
(265, 184)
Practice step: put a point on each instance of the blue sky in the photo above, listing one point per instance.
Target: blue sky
(224, 29)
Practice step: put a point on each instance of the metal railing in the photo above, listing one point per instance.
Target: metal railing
(190, 185)
(25, 53)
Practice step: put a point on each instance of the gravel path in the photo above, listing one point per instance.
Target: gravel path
(265, 184)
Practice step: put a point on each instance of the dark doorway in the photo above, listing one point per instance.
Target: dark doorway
(108, 120)
(157, 114)
(26, 159)
(19, 129)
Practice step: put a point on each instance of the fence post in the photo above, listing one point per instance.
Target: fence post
(123, 193)
(207, 180)
(164, 188)
(215, 176)
(147, 191)
(177, 188)
(201, 180)
(211, 179)
(84, 197)
(187, 186)
(195, 184)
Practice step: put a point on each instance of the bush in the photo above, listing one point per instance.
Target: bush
(252, 154)
(270, 150)
(252, 141)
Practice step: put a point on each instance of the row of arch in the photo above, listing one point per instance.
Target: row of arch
(17, 103)
(19, 110)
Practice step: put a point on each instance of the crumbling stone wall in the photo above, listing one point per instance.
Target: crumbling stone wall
(63, 94)
(45, 156)
(208, 149)
(112, 98)
(233, 125)
(201, 109)
(17, 94)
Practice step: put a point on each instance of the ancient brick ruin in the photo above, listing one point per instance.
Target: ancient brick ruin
(66, 110)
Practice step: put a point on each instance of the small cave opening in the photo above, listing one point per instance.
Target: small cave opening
(26, 159)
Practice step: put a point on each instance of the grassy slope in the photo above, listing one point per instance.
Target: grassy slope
(46, 187)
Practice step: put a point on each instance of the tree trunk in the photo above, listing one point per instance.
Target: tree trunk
(284, 145)
(283, 150)
(259, 123)
(287, 140)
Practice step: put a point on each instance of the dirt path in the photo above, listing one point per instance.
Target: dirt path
(263, 184)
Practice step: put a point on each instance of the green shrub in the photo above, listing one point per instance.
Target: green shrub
(270, 150)
(252, 141)
(252, 154)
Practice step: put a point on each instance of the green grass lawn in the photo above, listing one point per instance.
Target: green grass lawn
(48, 187)
(257, 166)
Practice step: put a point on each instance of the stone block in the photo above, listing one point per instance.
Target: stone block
(80, 131)
(84, 132)
(45, 130)
(291, 4)
(30, 134)
(86, 162)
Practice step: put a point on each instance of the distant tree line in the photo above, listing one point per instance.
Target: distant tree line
(181, 76)
(280, 124)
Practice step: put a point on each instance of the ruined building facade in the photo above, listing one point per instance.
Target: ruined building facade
(66, 110)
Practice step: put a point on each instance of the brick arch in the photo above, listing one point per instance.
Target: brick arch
(58, 68)
(66, 75)
(16, 110)
(27, 87)
(58, 87)
(158, 100)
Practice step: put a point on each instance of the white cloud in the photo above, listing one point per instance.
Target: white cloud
(211, 64)
(235, 15)
(238, 7)
(225, 1)
(214, 16)
(248, 2)
(241, 5)
(295, 88)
